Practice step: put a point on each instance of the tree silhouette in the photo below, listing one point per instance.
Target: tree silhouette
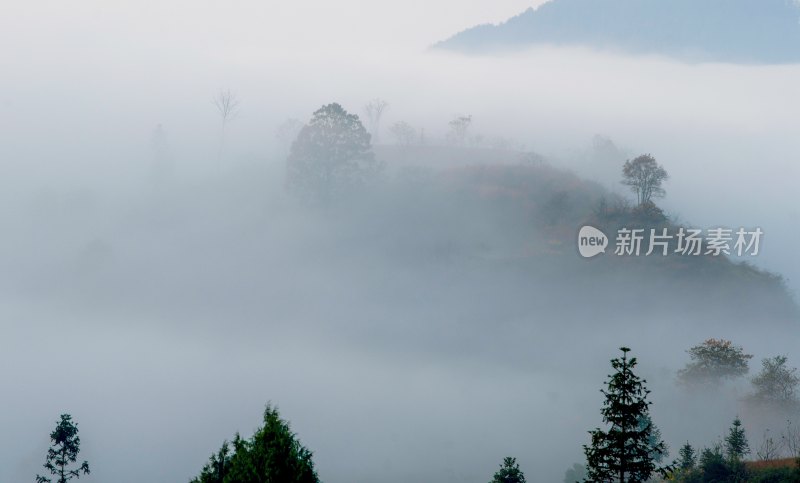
(331, 154)
(736, 446)
(732, 466)
(714, 361)
(659, 450)
(509, 472)
(228, 107)
(374, 111)
(404, 134)
(272, 455)
(63, 452)
(776, 383)
(459, 128)
(625, 452)
(217, 468)
(687, 457)
(644, 176)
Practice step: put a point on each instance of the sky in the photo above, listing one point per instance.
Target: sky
(207, 27)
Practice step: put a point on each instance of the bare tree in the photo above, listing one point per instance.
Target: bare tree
(459, 127)
(791, 439)
(404, 134)
(228, 106)
(769, 450)
(644, 176)
(374, 110)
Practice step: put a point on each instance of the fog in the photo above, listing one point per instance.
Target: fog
(401, 331)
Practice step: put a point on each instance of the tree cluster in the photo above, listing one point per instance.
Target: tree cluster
(716, 361)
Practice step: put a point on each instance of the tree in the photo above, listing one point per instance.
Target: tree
(658, 449)
(624, 453)
(228, 106)
(790, 439)
(63, 452)
(217, 468)
(686, 468)
(374, 110)
(575, 474)
(272, 455)
(331, 154)
(736, 446)
(769, 450)
(459, 127)
(509, 472)
(776, 383)
(644, 176)
(687, 458)
(404, 134)
(714, 361)
(713, 466)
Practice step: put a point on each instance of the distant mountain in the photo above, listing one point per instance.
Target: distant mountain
(740, 31)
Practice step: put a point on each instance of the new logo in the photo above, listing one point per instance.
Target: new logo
(591, 241)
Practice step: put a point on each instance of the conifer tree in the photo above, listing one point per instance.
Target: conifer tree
(736, 446)
(64, 452)
(272, 455)
(624, 453)
(509, 472)
(659, 450)
(218, 466)
(687, 459)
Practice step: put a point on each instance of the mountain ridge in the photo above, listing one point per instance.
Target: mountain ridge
(738, 31)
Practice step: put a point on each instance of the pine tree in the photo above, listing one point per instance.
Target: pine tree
(713, 466)
(218, 466)
(624, 453)
(658, 453)
(63, 452)
(272, 455)
(686, 468)
(509, 472)
(687, 457)
(736, 447)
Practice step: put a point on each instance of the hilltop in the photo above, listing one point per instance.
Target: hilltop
(519, 216)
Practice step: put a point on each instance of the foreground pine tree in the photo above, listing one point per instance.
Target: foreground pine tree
(625, 452)
(64, 452)
(509, 472)
(272, 455)
(736, 446)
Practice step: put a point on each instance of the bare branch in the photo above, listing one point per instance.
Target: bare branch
(374, 110)
(227, 104)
